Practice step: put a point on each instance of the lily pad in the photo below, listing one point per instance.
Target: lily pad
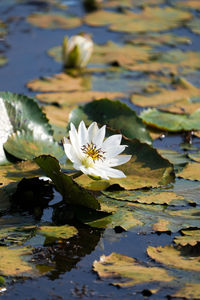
(195, 156)
(145, 169)
(190, 237)
(59, 82)
(150, 19)
(25, 147)
(13, 264)
(14, 235)
(115, 114)
(148, 197)
(188, 291)
(194, 25)
(188, 4)
(183, 92)
(3, 60)
(58, 232)
(191, 171)
(20, 113)
(172, 257)
(72, 193)
(126, 271)
(3, 29)
(171, 122)
(54, 20)
(15, 172)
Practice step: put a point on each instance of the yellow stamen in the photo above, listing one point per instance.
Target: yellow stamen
(91, 151)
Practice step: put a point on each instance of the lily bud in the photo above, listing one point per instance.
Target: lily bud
(77, 51)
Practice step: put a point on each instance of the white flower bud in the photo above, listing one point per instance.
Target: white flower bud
(77, 51)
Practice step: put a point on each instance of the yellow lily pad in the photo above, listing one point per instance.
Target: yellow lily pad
(194, 25)
(59, 82)
(180, 96)
(128, 271)
(188, 4)
(54, 20)
(13, 264)
(188, 291)
(172, 257)
(150, 19)
(191, 171)
(195, 156)
(15, 172)
(58, 232)
(190, 237)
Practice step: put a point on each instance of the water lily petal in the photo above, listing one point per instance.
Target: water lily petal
(74, 138)
(112, 141)
(113, 173)
(92, 131)
(118, 160)
(99, 137)
(82, 134)
(115, 150)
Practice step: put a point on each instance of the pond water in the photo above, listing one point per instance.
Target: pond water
(72, 276)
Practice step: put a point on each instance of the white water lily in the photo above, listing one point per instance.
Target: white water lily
(77, 51)
(94, 155)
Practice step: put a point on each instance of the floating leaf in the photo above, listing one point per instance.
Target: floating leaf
(16, 172)
(188, 4)
(54, 20)
(190, 237)
(171, 122)
(157, 39)
(194, 25)
(115, 114)
(195, 156)
(58, 83)
(58, 232)
(70, 190)
(121, 218)
(20, 113)
(145, 169)
(148, 197)
(3, 59)
(188, 291)
(172, 257)
(150, 19)
(12, 263)
(24, 146)
(174, 157)
(191, 171)
(182, 94)
(128, 271)
(15, 235)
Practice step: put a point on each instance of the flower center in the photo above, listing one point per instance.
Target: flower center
(91, 151)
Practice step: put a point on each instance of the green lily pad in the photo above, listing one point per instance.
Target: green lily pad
(20, 113)
(172, 257)
(190, 237)
(14, 235)
(127, 271)
(24, 146)
(174, 157)
(115, 114)
(54, 20)
(195, 156)
(171, 122)
(58, 232)
(72, 193)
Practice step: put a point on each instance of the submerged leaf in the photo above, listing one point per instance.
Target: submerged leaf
(127, 271)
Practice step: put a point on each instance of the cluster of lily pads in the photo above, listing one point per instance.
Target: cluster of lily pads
(160, 191)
